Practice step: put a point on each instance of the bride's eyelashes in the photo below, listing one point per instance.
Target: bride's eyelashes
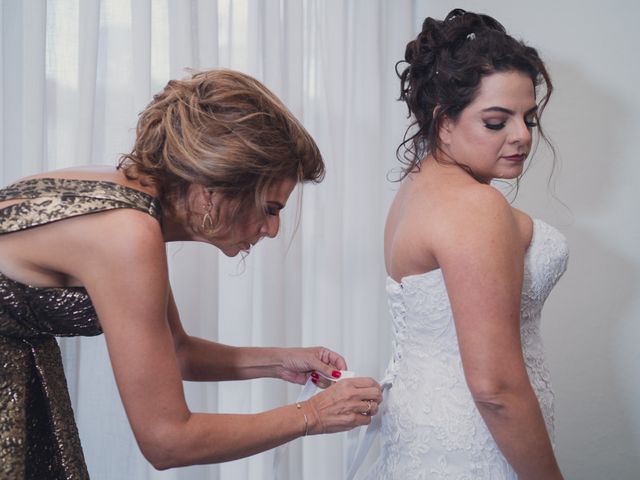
(494, 126)
(530, 123)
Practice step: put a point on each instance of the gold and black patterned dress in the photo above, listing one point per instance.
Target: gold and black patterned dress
(38, 435)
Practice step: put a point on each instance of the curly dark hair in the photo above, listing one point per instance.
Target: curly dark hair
(446, 62)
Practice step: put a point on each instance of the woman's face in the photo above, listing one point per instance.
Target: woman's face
(492, 135)
(247, 232)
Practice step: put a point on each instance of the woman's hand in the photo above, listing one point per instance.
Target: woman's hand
(345, 405)
(297, 364)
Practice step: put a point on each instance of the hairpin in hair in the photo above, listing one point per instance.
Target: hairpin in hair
(471, 36)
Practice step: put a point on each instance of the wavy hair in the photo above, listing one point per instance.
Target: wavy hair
(223, 130)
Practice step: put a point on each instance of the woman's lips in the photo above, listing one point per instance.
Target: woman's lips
(516, 158)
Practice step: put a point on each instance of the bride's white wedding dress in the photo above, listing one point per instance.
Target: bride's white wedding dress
(431, 428)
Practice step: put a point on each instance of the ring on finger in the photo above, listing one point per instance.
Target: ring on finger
(366, 412)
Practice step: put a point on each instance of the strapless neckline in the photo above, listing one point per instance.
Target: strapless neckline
(537, 223)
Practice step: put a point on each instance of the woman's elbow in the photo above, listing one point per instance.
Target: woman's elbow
(160, 457)
(162, 449)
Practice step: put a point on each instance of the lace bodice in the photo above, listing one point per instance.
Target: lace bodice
(431, 427)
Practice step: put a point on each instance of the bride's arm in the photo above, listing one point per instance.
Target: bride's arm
(481, 254)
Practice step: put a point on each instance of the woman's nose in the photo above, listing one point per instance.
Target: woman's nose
(271, 226)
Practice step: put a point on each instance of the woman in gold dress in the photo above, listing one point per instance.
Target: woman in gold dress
(82, 252)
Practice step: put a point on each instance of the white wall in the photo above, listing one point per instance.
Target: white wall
(590, 322)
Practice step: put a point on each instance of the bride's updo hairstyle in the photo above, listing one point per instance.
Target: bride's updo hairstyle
(446, 63)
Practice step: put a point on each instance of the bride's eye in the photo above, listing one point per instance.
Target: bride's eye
(494, 126)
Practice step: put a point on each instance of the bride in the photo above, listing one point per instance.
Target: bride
(468, 273)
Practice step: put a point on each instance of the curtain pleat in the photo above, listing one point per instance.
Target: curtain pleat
(140, 66)
(89, 24)
(205, 21)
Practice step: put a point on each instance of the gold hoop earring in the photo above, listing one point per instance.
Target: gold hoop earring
(207, 221)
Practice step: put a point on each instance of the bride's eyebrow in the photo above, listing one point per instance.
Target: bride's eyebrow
(499, 109)
(508, 111)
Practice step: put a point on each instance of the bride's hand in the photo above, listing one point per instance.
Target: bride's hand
(347, 404)
(297, 364)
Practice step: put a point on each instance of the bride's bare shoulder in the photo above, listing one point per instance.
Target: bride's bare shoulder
(471, 215)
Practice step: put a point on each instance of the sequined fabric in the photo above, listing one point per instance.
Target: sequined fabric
(38, 435)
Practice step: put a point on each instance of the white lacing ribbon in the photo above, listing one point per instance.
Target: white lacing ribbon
(359, 444)
(359, 441)
(308, 391)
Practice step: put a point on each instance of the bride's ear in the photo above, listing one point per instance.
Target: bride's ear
(444, 125)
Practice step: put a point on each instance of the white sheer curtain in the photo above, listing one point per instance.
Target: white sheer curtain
(75, 73)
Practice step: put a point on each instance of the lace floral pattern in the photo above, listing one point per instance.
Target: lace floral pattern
(431, 428)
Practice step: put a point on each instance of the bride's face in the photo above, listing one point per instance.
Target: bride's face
(492, 135)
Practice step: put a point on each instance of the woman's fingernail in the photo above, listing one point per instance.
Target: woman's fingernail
(315, 375)
(314, 380)
(336, 374)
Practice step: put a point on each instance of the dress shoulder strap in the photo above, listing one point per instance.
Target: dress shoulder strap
(46, 200)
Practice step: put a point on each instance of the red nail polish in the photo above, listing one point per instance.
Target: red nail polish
(336, 374)
(314, 380)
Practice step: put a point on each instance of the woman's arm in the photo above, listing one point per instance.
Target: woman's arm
(124, 270)
(204, 360)
(482, 257)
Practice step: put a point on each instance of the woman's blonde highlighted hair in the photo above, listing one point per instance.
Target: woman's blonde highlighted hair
(223, 130)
